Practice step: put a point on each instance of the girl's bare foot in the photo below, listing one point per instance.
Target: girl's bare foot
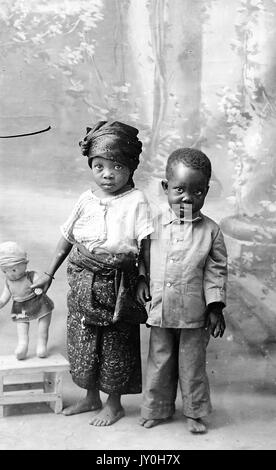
(196, 426)
(108, 416)
(91, 402)
(150, 423)
(112, 411)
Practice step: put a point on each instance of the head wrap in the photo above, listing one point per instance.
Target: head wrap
(114, 141)
(11, 253)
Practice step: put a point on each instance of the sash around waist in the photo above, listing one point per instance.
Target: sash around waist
(105, 263)
(85, 268)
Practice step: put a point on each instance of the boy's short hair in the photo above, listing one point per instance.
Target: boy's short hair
(191, 158)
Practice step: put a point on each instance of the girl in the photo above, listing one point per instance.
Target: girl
(28, 304)
(103, 235)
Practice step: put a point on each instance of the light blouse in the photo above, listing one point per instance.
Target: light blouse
(116, 224)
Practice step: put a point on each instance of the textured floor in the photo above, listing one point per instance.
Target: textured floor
(243, 395)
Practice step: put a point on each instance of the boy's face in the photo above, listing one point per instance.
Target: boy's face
(186, 186)
(111, 177)
(14, 272)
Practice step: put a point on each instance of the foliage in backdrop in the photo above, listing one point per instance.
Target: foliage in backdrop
(91, 67)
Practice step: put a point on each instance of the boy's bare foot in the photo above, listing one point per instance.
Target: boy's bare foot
(196, 426)
(83, 406)
(107, 416)
(150, 423)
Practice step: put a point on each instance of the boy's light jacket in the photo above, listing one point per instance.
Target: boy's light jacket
(188, 270)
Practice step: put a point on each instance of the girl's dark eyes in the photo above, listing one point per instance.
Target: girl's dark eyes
(179, 190)
(100, 167)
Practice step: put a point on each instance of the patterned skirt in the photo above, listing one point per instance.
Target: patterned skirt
(104, 355)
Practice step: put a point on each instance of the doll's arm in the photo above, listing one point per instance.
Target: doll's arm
(5, 297)
(61, 252)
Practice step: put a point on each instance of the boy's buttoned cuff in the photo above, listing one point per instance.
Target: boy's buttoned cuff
(215, 295)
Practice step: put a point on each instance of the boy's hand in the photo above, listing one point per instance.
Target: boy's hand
(142, 292)
(215, 320)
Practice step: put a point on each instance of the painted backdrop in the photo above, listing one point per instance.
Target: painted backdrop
(186, 73)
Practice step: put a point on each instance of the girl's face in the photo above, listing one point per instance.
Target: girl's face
(111, 177)
(186, 188)
(14, 272)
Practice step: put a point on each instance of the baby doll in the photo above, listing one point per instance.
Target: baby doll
(27, 304)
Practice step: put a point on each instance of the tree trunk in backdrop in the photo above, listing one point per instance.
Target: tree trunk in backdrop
(184, 65)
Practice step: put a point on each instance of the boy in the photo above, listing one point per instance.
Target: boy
(188, 272)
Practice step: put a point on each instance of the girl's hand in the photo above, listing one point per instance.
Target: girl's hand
(42, 282)
(143, 293)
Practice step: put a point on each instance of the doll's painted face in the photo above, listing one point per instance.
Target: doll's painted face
(15, 272)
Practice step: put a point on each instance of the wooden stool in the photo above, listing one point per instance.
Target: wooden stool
(32, 380)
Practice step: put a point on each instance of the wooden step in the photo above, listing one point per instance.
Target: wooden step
(32, 380)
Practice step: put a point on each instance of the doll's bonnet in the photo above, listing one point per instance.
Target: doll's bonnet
(11, 253)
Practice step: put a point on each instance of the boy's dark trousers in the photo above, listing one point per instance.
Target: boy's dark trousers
(176, 355)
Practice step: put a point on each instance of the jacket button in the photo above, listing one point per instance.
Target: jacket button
(168, 284)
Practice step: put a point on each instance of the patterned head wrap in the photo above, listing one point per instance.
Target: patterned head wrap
(114, 141)
(11, 253)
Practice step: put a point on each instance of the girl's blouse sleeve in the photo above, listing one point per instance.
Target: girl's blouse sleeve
(144, 219)
(67, 229)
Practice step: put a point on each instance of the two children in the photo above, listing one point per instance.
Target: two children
(183, 267)
(188, 271)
